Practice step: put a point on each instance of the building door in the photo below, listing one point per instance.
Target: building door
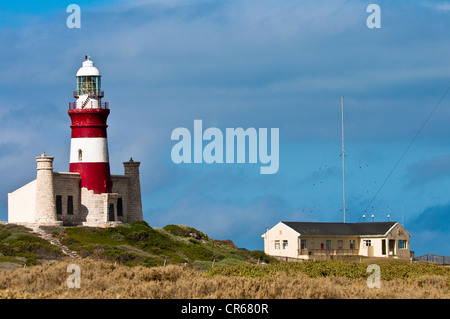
(111, 213)
(391, 247)
(383, 246)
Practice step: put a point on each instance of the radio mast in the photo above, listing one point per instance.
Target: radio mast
(343, 156)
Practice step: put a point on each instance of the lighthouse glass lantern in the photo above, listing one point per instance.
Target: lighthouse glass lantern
(89, 85)
(88, 92)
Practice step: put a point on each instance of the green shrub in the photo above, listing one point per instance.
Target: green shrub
(128, 258)
(185, 231)
(262, 257)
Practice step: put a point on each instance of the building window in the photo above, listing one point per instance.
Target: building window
(367, 242)
(59, 204)
(328, 244)
(277, 244)
(352, 244)
(119, 207)
(401, 244)
(285, 244)
(340, 244)
(303, 244)
(70, 205)
(80, 155)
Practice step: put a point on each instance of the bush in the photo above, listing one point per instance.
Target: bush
(185, 231)
(262, 257)
(128, 258)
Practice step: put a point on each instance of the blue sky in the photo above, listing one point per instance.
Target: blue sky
(262, 64)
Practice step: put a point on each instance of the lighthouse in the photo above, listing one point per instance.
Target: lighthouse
(87, 195)
(89, 144)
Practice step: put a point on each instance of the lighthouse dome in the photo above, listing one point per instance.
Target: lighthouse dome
(88, 69)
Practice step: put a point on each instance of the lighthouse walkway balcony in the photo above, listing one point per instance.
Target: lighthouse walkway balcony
(92, 93)
(89, 105)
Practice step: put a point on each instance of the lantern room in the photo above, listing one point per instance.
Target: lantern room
(88, 92)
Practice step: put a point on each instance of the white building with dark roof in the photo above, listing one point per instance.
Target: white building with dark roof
(312, 240)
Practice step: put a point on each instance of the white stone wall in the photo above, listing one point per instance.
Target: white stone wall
(22, 204)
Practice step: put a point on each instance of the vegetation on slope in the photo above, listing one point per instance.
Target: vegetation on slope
(19, 246)
(132, 244)
(138, 243)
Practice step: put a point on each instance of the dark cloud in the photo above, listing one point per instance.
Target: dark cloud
(430, 231)
(424, 172)
(436, 218)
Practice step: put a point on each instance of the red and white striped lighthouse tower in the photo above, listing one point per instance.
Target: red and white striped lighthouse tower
(89, 144)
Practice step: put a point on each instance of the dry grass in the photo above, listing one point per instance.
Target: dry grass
(106, 280)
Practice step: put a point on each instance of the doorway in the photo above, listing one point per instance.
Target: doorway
(111, 217)
(391, 247)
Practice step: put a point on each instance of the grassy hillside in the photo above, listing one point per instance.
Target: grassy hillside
(131, 244)
(18, 246)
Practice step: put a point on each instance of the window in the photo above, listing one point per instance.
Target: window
(87, 84)
(367, 242)
(277, 244)
(328, 243)
(119, 207)
(80, 155)
(340, 244)
(303, 244)
(352, 244)
(58, 204)
(401, 244)
(285, 244)
(70, 204)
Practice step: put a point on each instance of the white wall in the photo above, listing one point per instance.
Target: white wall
(22, 204)
(376, 243)
(281, 232)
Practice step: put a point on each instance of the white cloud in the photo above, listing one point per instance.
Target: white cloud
(437, 5)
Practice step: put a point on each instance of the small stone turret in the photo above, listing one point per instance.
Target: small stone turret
(134, 198)
(45, 211)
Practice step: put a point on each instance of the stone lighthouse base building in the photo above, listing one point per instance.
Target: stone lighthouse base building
(88, 194)
(56, 198)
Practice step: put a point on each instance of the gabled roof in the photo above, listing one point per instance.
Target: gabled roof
(341, 229)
